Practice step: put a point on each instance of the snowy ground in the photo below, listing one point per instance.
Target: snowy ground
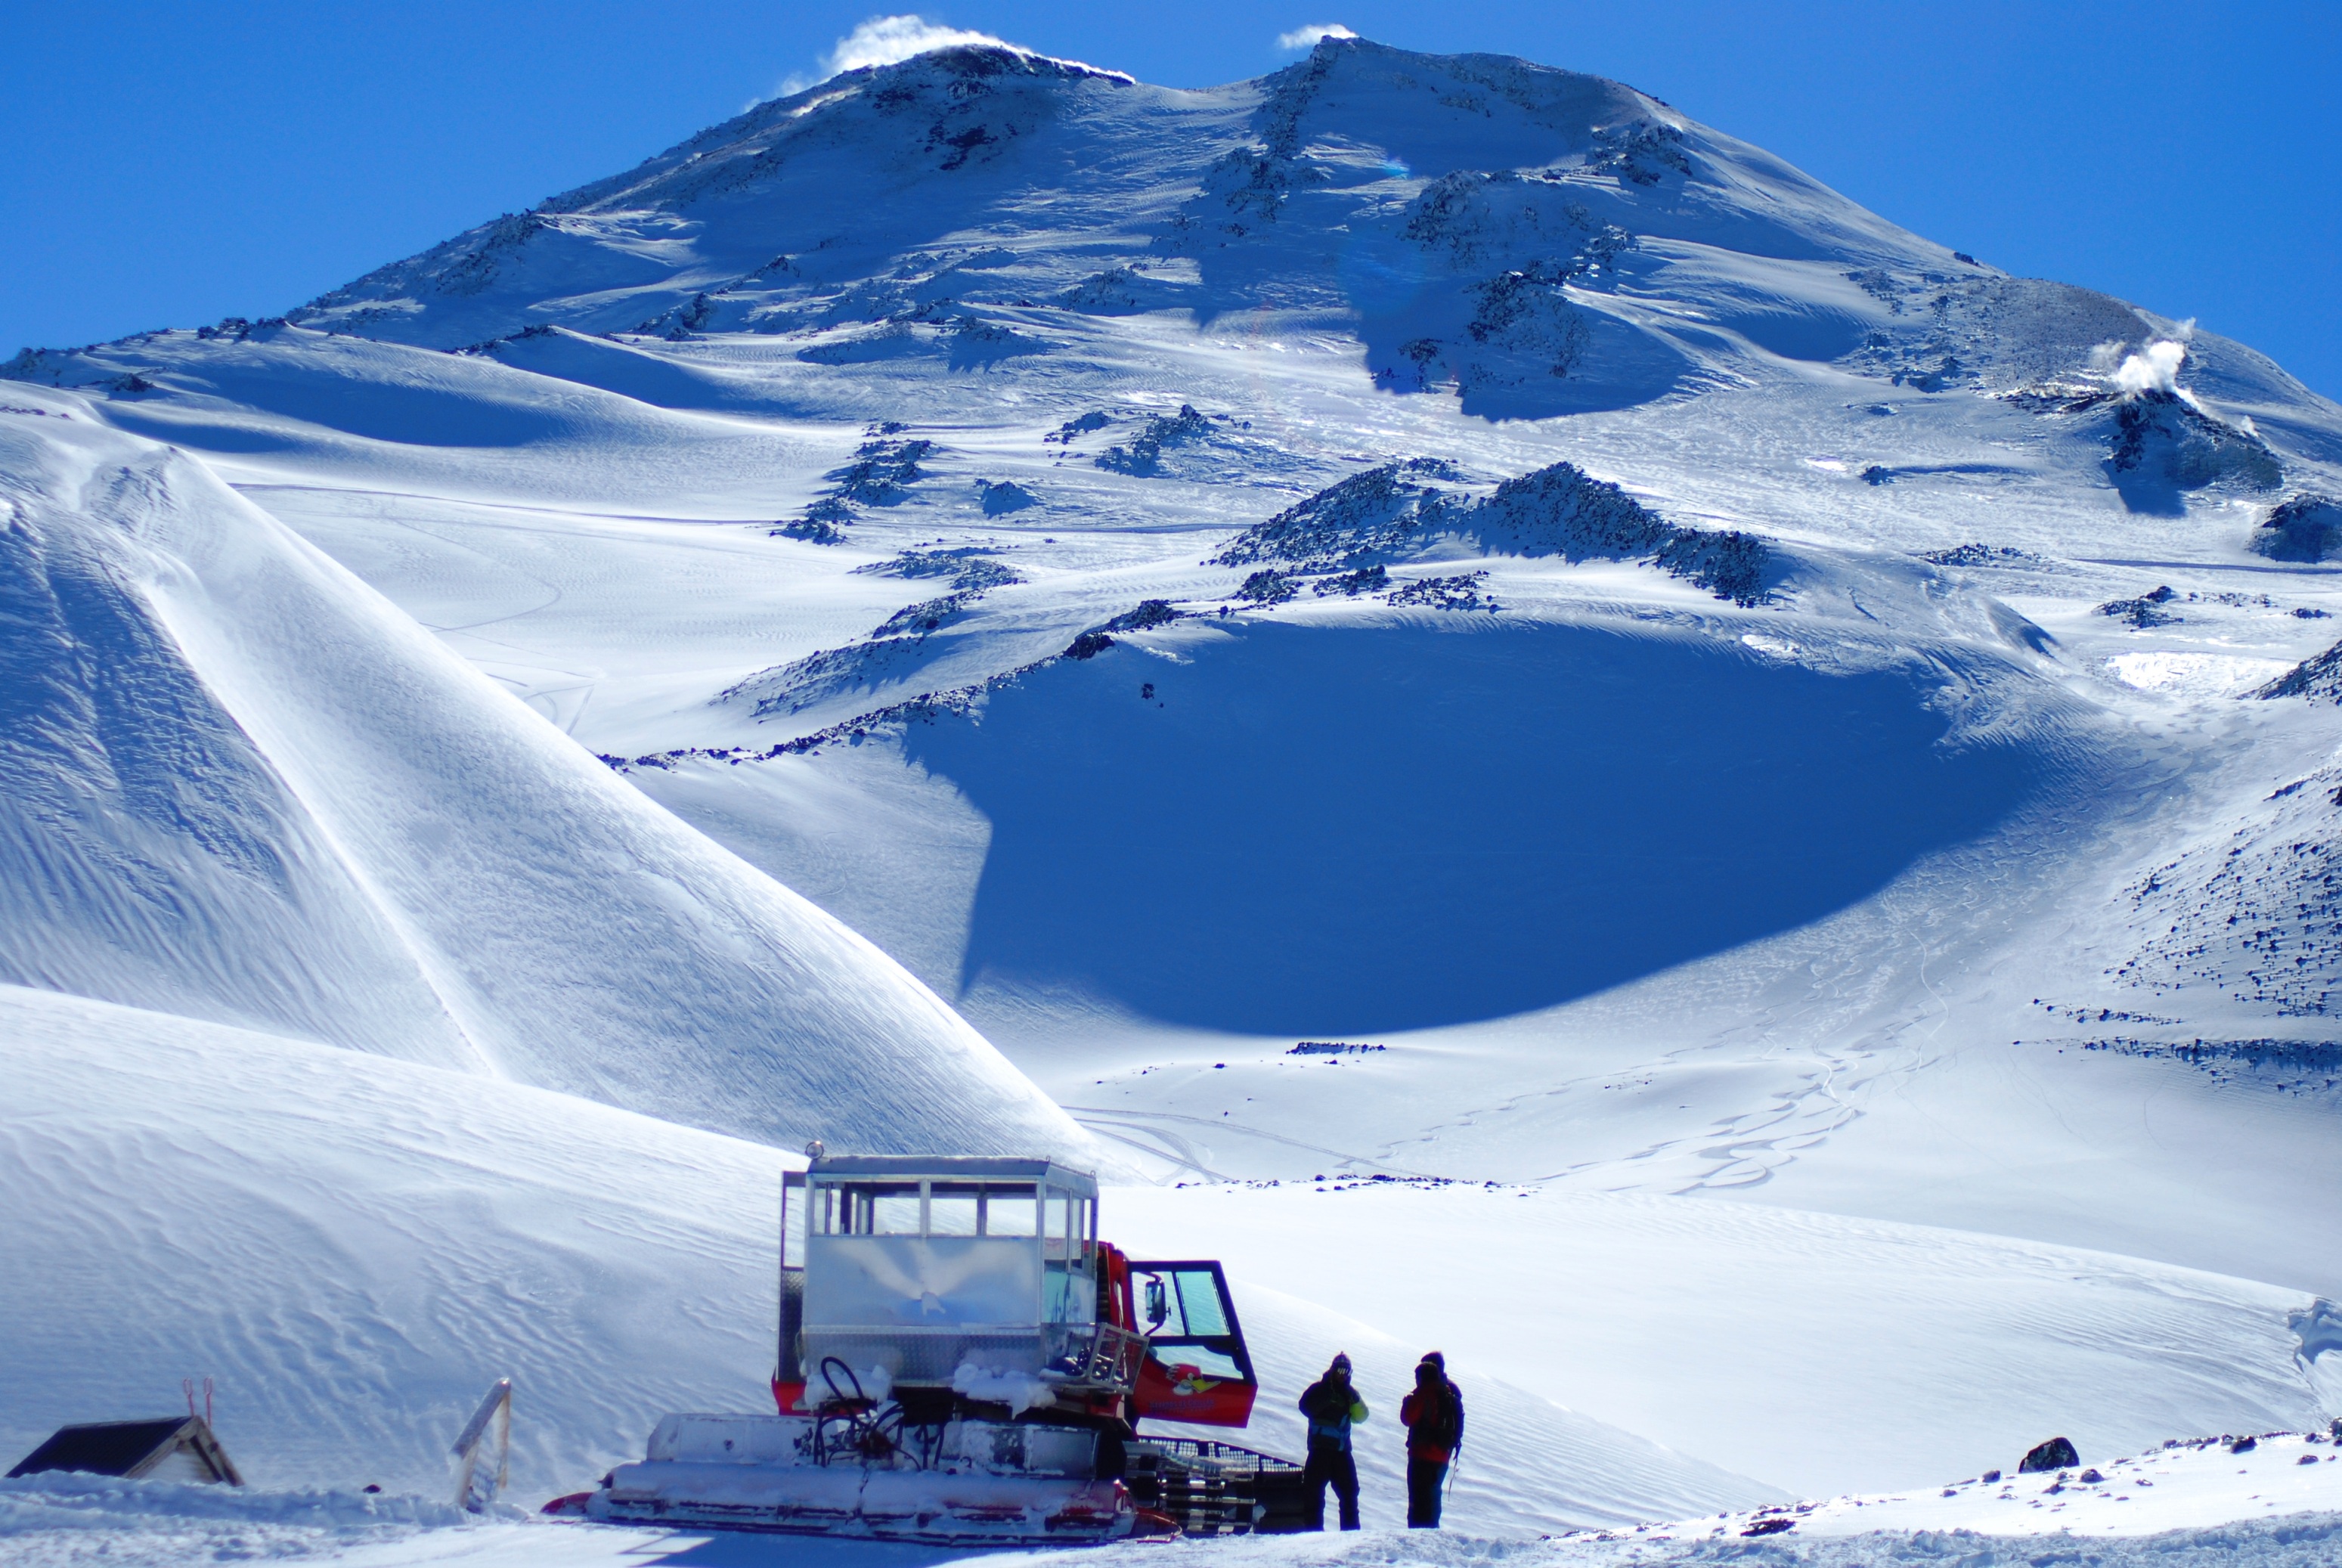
(452, 841)
(355, 1248)
(2276, 1505)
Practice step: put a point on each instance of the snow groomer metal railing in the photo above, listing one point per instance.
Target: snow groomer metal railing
(1096, 1355)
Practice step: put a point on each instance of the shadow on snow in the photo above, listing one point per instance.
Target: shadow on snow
(1342, 832)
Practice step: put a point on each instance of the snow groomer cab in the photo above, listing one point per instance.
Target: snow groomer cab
(962, 1359)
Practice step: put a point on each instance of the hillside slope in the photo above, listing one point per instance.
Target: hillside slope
(243, 787)
(1423, 618)
(1541, 569)
(355, 1248)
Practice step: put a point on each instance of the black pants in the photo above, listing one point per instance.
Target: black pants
(1424, 1479)
(1331, 1462)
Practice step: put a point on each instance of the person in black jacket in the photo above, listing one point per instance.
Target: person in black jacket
(1434, 1415)
(1331, 1405)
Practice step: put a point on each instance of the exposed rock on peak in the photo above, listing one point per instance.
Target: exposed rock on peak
(2301, 528)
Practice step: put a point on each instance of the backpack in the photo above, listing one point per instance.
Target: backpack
(1440, 1427)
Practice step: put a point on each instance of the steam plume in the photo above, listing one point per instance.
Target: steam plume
(887, 40)
(1306, 37)
(2155, 368)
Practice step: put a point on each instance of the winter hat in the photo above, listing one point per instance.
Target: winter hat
(1341, 1361)
(1434, 1358)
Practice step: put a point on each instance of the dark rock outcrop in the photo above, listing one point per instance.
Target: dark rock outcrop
(2304, 528)
(2058, 1454)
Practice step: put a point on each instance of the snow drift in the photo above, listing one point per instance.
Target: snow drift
(355, 1247)
(242, 786)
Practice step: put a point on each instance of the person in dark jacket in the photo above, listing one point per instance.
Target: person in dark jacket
(1331, 1405)
(1433, 1414)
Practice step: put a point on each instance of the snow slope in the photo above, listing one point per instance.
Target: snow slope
(761, 217)
(355, 1247)
(245, 788)
(351, 1244)
(1735, 1333)
(1739, 720)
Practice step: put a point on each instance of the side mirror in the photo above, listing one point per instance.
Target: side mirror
(1158, 1303)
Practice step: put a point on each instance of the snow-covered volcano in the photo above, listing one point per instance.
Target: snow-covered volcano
(1420, 616)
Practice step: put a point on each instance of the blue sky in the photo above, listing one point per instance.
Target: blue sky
(168, 165)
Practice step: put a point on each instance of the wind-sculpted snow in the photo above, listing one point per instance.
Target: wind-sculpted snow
(1551, 1463)
(971, 118)
(149, 853)
(1485, 282)
(355, 1248)
(1494, 229)
(248, 788)
(710, 338)
(1713, 1326)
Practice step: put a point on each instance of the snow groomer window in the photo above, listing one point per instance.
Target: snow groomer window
(1194, 1329)
(871, 1209)
(1069, 1290)
(952, 1209)
(1011, 1211)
